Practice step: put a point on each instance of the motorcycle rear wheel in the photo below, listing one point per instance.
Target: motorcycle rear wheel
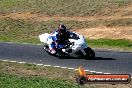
(90, 54)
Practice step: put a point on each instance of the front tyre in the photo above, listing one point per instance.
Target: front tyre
(90, 54)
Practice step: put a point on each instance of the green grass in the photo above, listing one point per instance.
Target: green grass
(15, 75)
(10, 81)
(26, 70)
(63, 7)
(110, 43)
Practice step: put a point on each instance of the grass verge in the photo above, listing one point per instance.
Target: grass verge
(9, 81)
(14, 75)
(111, 43)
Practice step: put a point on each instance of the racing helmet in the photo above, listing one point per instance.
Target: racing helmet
(61, 29)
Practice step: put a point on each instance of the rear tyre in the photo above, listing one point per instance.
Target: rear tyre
(90, 54)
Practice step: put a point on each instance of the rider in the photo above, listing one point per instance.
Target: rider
(59, 37)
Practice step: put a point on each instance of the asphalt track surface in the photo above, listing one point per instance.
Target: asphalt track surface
(105, 61)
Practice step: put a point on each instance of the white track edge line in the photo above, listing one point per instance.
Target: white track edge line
(5, 60)
(39, 64)
(47, 65)
(92, 71)
(22, 62)
(54, 66)
(63, 67)
(107, 73)
(99, 72)
(13, 61)
(71, 68)
(87, 70)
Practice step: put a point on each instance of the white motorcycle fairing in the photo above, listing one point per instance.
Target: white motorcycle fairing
(78, 44)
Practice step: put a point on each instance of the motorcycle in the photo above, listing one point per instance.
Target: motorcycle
(76, 46)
